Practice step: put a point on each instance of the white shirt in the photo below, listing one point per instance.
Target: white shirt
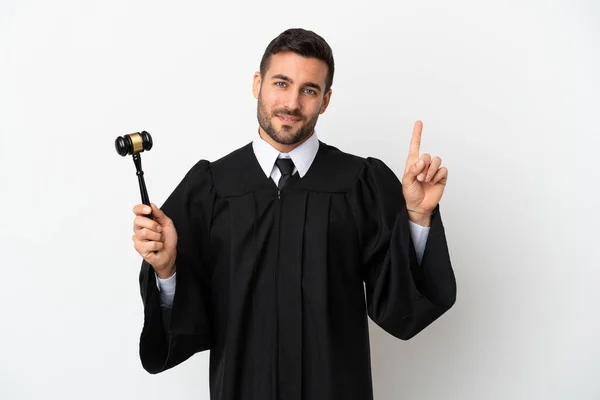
(302, 156)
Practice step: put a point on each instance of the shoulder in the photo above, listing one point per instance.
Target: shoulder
(237, 172)
(232, 159)
(227, 163)
(342, 171)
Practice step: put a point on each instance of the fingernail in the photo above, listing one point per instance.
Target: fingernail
(158, 229)
(420, 177)
(148, 210)
(428, 178)
(420, 163)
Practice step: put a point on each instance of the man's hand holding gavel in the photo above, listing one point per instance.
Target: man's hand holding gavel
(155, 240)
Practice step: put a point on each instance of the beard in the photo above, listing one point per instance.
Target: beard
(286, 135)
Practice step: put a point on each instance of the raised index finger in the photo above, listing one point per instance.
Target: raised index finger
(415, 142)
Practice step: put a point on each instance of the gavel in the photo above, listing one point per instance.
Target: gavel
(134, 144)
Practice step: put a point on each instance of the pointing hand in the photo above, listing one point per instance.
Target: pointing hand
(424, 181)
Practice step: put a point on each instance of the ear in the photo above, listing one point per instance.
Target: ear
(256, 84)
(326, 100)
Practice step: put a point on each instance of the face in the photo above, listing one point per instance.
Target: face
(291, 97)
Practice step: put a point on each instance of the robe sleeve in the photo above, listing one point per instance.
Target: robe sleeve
(171, 336)
(402, 296)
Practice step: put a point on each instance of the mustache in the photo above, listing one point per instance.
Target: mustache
(295, 113)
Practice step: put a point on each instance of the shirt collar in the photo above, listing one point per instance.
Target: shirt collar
(302, 156)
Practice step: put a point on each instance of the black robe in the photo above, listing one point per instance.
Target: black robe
(272, 283)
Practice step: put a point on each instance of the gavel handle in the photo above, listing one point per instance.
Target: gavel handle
(140, 174)
(144, 192)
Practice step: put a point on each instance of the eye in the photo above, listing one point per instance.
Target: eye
(310, 91)
(280, 84)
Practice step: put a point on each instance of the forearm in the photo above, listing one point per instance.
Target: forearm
(166, 287)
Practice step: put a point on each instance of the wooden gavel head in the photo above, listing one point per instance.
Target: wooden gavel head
(133, 143)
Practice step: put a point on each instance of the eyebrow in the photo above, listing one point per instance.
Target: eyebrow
(288, 79)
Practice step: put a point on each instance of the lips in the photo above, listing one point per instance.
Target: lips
(288, 119)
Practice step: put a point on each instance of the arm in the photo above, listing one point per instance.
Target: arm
(403, 297)
(172, 335)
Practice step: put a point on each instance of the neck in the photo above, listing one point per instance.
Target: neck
(282, 148)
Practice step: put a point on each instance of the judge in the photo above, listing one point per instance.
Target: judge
(273, 256)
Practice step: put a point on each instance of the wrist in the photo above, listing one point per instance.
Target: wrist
(419, 216)
(423, 220)
(167, 272)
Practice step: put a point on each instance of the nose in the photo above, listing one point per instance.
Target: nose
(292, 101)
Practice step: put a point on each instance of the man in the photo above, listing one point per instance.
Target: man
(261, 256)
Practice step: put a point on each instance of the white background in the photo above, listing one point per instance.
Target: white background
(507, 91)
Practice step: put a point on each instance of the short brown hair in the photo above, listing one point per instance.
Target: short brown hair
(304, 43)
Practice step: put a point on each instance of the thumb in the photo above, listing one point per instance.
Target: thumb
(159, 216)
